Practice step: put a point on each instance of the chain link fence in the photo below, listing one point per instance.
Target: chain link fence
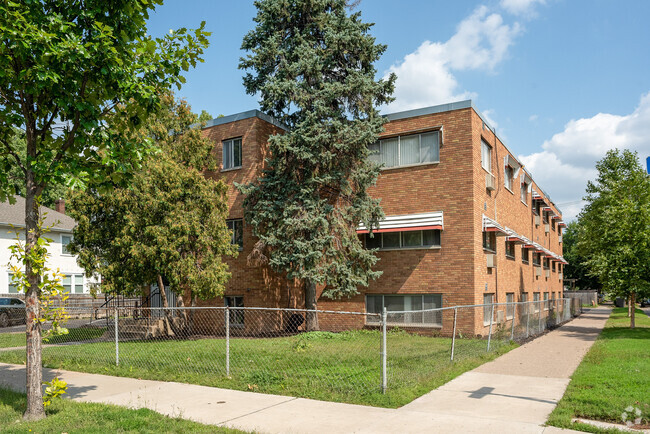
(354, 357)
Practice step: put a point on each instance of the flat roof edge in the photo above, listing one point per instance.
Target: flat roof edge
(244, 115)
(429, 110)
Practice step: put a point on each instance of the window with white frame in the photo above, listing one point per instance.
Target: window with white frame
(510, 306)
(232, 153)
(404, 240)
(12, 284)
(73, 283)
(536, 301)
(546, 301)
(417, 308)
(488, 299)
(524, 192)
(236, 316)
(524, 299)
(486, 156)
(236, 227)
(65, 240)
(407, 150)
(509, 174)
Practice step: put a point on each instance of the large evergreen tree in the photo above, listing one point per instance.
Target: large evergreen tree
(312, 64)
(168, 224)
(614, 229)
(66, 67)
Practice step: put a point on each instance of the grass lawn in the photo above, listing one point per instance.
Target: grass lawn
(9, 340)
(72, 417)
(343, 367)
(614, 375)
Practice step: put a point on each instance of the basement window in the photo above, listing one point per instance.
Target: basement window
(415, 309)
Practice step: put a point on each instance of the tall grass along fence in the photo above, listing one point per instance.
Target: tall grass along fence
(386, 358)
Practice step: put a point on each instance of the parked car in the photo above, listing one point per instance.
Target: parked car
(645, 302)
(12, 311)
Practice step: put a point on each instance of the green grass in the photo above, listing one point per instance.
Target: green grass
(343, 367)
(10, 340)
(72, 417)
(614, 374)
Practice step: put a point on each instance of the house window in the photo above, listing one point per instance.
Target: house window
(12, 284)
(65, 240)
(417, 309)
(525, 255)
(524, 193)
(407, 150)
(545, 217)
(509, 174)
(236, 316)
(403, 240)
(510, 249)
(546, 301)
(553, 266)
(488, 299)
(510, 306)
(536, 301)
(232, 154)
(537, 208)
(553, 224)
(236, 227)
(490, 241)
(536, 259)
(73, 283)
(545, 263)
(486, 156)
(524, 299)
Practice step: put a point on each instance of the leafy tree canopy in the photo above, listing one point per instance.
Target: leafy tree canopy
(169, 222)
(576, 269)
(614, 229)
(312, 64)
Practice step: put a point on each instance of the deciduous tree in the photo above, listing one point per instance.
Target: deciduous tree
(312, 64)
(614, 229)
(65, 68)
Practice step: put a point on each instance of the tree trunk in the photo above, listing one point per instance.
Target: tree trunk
(629, 306)
(632, 303)
(310, 304)
(35, 409)
(163, 294)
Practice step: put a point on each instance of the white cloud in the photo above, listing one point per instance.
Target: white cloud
(533, 118)
(425, 77)
(524, 8)
(568, 158)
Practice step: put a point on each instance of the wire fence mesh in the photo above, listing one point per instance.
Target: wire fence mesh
(354, 357)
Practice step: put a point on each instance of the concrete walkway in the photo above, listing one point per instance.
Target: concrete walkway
(514, 393)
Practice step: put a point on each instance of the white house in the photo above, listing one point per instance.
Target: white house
(12, 219)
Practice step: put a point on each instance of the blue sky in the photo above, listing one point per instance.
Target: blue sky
(562, 81)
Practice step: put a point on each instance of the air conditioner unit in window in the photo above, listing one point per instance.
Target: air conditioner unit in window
(547, 228)
(491, 260)
(500, 317)
(490, 182)
(538, 270)
(559, 240)
(537, 220)
(560, 276)
(547, 273)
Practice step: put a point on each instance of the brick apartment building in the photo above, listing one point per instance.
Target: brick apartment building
(466, 223)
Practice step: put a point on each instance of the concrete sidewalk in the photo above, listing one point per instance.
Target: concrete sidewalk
(514, 393)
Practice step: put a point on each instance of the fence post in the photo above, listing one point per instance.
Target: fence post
(227, 311)
(514, 316)
(117, 342)
(527, 320)
(541, 312)
(384, 379)
(453, 337)
(490, 333)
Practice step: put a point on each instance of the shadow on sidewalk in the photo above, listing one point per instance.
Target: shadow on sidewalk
(13, 377)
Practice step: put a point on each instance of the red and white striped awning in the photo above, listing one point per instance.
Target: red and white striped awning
(490, 225)
(556, 217)
(404, 223)
(561, 223)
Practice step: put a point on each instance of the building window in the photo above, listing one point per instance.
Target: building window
(403, 240)
(546, 301)
(510, 249)
(525, 255)
(553, 224)
(73, 283)
(553, 266)
(536, 301)
(536, 259)
(407, 150)
(12, 284)
(417, 308)
(490, 241)
(510, 306)
(486, 156)
(236, 227)
(545, 263)
(509, 174)
(232, 154)
(236, 316)
(524, 193)
(537, 208)
(65, 240)
(488, 299)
